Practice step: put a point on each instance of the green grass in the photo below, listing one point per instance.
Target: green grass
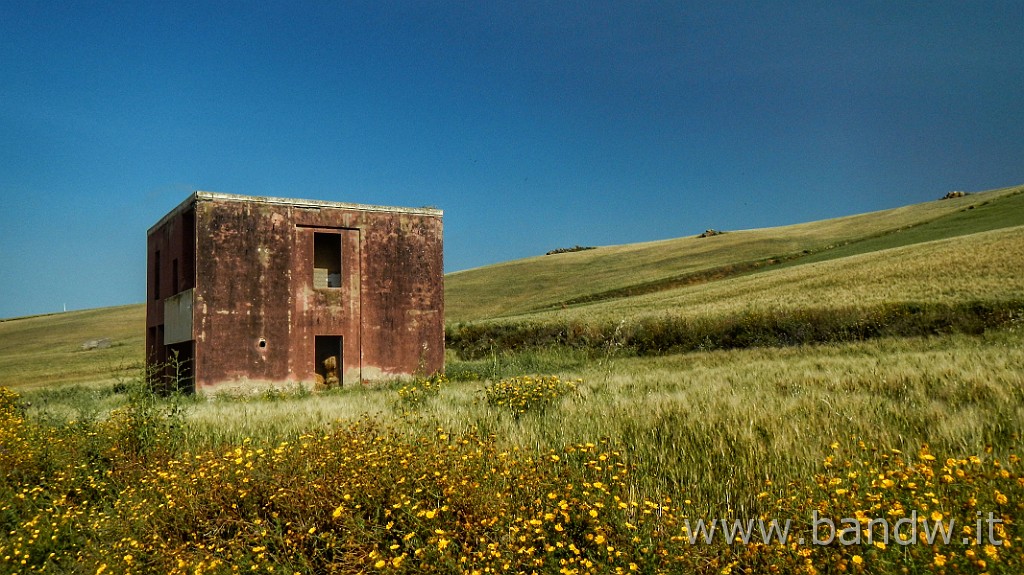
(957, 284)
(46, 350)
(982, 267)
(976, 214)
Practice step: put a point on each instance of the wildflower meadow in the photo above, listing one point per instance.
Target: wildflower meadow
(138, 491)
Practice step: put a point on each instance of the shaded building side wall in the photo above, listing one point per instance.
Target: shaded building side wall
(170, 270)
(258, 313)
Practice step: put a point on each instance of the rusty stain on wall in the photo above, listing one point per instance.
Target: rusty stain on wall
(280, 286)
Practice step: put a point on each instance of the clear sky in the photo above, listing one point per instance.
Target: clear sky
(533, 125)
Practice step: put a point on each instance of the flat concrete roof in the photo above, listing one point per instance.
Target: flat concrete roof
(200, 195)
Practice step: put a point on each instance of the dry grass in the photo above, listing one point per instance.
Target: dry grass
(979, 267)
(47, 350)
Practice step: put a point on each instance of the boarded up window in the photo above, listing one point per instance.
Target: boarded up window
(326, 260)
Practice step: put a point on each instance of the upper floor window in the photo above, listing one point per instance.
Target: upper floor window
(326, 260)
(156, 275)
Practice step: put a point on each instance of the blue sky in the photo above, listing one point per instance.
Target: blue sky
(534, 125)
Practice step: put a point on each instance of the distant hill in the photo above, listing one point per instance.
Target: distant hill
(89, 346)
(957, 250)
(552, 281)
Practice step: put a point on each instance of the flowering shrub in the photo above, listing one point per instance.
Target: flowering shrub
(529, 393)
(418, 391)
(8, 401)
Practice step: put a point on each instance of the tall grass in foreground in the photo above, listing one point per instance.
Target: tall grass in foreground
(608, 476)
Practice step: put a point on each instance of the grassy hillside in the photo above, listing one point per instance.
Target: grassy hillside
(544, 282)
(967, 284)
(980, 267)
(47, 349)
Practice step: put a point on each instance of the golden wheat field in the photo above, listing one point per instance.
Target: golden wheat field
(979, 267)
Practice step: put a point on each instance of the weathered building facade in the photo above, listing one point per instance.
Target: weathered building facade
(265, 291)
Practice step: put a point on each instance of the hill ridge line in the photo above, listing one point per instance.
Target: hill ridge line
(737, 269)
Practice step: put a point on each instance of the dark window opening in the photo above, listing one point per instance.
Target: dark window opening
(174, 275)
(328, 360)
(156, 275)
(188, 250)
(326, 260)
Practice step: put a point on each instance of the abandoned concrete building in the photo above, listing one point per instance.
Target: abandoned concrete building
(254, 291)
